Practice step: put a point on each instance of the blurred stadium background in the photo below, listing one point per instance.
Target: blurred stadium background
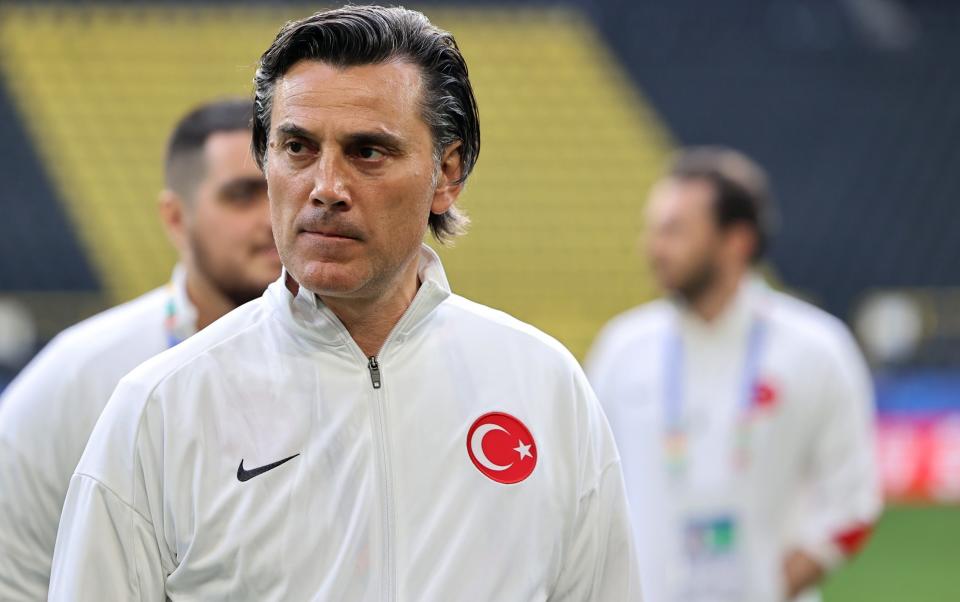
(852, 105)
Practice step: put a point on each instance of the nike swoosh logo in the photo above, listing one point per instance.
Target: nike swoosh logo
(246, 475)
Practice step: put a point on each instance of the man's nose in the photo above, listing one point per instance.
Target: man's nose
(329, 184)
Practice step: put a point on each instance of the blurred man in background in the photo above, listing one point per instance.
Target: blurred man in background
(743, 416)
(215, 210)
(359, 432)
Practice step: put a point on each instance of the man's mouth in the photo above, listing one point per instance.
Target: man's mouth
(330, 234)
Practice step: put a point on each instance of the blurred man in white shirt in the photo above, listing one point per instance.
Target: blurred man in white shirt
(743, 416)
(215, 210)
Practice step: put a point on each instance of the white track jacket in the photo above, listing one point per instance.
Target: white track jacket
(267, 459)
(48, 412)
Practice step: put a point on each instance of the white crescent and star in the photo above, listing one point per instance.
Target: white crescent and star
(523, 450)
(476, 446)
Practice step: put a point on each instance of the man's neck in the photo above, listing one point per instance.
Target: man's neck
(369, 320)
(208, 301)
(715, 300)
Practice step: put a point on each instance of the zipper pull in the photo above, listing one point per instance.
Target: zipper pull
(374, 368)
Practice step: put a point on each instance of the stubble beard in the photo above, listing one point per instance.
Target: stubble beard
(227, 283)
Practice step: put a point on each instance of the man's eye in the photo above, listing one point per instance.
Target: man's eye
(368, 153)
(244, 193)
(296, 147)
(241, 197)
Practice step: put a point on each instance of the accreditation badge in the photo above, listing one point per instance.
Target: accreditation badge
(711, 552)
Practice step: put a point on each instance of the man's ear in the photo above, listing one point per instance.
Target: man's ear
(448, 185)
(744, 240)
(173, 214)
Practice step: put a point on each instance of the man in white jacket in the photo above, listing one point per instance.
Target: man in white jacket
(214, 207)
(358, 433)
(744, 416)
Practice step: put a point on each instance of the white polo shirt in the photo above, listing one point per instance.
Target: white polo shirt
(740, 439)
(48, 412)
(267, 459)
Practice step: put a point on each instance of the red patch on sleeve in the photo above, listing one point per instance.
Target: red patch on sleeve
(852, 540)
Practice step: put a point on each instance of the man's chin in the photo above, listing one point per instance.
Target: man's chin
(329, 279)
(692, 289)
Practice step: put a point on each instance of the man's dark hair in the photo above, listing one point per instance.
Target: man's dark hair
(368, 35)
(742, 190)
(184, 166)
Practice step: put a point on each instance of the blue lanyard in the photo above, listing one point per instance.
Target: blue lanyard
(675, 436)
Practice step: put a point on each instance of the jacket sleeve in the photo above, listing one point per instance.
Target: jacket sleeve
(105, 549)
(845, 494)
(108, 545)
(600, 560)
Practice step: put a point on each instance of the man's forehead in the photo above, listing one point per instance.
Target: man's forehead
(227, 152)
(675, 197)
(311, 90)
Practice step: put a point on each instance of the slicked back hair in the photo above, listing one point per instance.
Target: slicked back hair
(370, 35)
(184, 166)
(742, 192)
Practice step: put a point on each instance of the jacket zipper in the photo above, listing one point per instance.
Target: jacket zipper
(374, 368)
(376, 380)
(388, 519)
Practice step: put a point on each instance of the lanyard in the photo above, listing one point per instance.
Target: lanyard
(170, 318)
(675, 433)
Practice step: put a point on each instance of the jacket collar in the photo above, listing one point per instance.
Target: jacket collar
(312, 318)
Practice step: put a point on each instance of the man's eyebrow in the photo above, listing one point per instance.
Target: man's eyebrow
(289, 130)
(380, 138)
(374, 138)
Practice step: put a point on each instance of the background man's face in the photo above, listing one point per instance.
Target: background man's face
(683, 240)
(351, 173)
(228, 223)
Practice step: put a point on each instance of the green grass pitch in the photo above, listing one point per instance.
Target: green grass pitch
(914, 556)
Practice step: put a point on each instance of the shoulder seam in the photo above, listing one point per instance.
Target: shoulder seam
(114, 494)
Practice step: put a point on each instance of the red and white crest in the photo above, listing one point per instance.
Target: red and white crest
(502, 448)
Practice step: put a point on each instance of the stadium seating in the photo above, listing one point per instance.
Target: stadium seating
(569, 145)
